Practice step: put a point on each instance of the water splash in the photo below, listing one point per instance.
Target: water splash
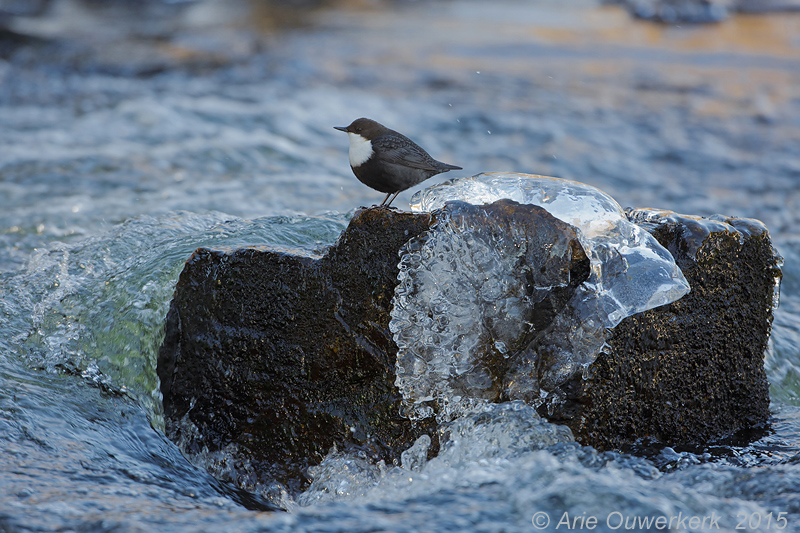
(96, 308)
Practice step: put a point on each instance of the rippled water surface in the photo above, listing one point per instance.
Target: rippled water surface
(133, 133)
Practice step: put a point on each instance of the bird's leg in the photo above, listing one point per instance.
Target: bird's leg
(392, 200)
(384, 200)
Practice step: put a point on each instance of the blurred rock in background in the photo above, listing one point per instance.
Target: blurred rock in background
(700, 11)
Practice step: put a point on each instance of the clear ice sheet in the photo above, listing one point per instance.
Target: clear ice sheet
(497, 262)
(696, 229)
(437, 317)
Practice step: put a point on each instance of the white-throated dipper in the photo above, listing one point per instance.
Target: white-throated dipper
(388, 161)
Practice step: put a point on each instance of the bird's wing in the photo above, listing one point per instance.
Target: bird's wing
(402, 151)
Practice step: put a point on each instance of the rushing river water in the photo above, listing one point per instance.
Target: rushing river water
(130, 138)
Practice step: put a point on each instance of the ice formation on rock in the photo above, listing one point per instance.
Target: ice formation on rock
(698, 230)
(475, 291)
(438, 305)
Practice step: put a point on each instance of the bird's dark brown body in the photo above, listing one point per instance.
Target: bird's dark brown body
(388, 161)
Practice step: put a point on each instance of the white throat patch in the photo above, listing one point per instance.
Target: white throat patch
(360, 149)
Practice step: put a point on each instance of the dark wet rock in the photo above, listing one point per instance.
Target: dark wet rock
(277, 358)
(691, 371)
(271, 359)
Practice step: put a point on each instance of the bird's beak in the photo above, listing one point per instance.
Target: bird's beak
(341, 128)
